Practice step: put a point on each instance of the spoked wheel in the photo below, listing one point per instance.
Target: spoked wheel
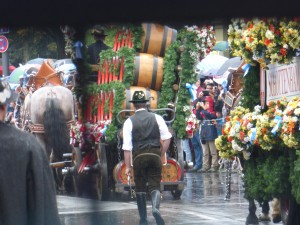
(284, 209)
(76, 159)
(102, 174)
(179, 156)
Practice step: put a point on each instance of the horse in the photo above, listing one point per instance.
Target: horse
(50, 110)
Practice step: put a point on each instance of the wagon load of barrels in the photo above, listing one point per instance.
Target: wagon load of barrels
(135, 62)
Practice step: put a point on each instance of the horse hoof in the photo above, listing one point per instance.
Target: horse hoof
(264, 217)
(252, 220)
(276, 218)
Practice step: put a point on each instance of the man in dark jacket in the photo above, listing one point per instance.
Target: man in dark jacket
(27, 191)
(146, 138)
(95, 49)
(99, 45)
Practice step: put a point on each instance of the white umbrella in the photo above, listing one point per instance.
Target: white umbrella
(210, 65)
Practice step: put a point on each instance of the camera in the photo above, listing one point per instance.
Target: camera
(205, 93)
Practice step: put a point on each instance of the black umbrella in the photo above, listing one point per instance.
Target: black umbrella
(234, 62)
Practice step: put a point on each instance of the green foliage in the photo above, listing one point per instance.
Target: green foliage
(251, 89)
(128, 54)
(119, 97)
(186, 75)
(27, 43)
(267, 175)
(294, 177)
(136, 34)
(170, 76)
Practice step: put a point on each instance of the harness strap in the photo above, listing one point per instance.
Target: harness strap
(39, 128)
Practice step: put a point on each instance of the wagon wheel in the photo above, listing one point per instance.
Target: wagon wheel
(179, 151)
(102, 173)
(77, 159)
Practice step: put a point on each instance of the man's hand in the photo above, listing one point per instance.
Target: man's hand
(128, 171)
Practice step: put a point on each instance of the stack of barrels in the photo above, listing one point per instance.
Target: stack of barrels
(148, 68)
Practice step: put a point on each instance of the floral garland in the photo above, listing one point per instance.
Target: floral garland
(268, 127)
(192, 122)
(197, 43)
(237, 134)
(83, 132)
(290, 133)
(264, 41)
(204, 40)
(167, 93)
(277, 128)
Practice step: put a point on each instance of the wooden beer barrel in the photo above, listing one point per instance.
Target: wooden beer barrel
(171, 172)
(148, 92)
(157, 38)
(119, 173)
(148, 71)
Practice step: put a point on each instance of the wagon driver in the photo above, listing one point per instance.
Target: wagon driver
(146, 139)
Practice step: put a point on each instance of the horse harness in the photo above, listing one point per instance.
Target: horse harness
(39, 128)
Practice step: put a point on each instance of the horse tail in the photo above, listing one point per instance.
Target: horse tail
(56, 129)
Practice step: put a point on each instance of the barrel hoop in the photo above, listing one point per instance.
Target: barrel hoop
(164, 41)
(147, 38)
(174, 35)
(148, 93)
(158, 95)
(154, 72)
(128, 96)
(137, 69)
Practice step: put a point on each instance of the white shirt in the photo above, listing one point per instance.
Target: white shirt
(127, 131)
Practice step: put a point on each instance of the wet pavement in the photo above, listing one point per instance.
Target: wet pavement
(202, 203)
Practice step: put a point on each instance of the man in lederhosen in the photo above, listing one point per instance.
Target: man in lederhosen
(146, 139)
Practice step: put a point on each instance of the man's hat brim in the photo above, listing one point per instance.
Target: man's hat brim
(98, 32)
(142, 101)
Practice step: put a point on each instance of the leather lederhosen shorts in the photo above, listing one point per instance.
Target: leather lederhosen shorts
(147, 168)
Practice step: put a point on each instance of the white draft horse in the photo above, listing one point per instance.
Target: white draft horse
(50, 110)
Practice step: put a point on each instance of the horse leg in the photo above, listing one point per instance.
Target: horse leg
(265, 208)
(252, 218)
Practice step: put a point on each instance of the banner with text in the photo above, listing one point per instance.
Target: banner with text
(283, 81)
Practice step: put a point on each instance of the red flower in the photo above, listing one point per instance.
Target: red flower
(283, 51)
(272, 28)
(242, 135)
(277, 32)
(230, 139)
(267, 42)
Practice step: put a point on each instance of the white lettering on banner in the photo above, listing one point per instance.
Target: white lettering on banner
(283, 81)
